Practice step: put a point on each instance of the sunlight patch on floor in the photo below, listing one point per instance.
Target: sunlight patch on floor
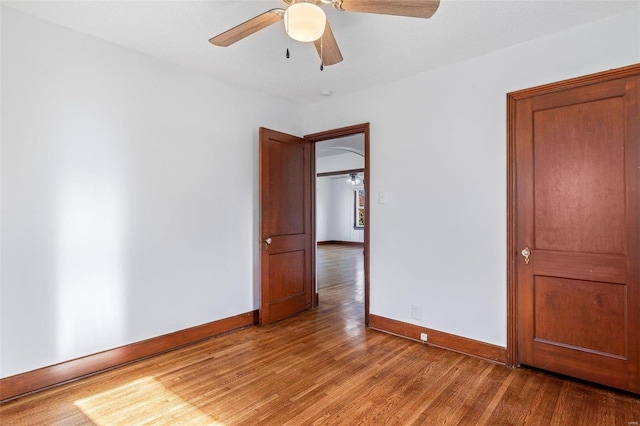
(143, 401)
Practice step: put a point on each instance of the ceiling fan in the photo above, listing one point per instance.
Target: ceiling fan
(305, 21)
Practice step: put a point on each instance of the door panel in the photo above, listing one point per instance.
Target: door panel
(594, 309)
(288, 270)
(577, 157)
(579, 177)
(286, 186)
(285, 225)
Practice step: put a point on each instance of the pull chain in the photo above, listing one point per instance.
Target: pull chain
(321, 53)
(286, 35)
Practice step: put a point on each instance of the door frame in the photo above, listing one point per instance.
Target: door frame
(512, 250)
(333, 134)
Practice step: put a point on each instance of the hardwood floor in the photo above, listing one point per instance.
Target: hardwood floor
(322, 367)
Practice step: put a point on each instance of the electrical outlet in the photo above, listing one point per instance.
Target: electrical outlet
(423, 337)
(416, 312)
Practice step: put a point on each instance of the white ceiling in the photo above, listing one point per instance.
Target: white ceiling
(353, 144)
(377, 49)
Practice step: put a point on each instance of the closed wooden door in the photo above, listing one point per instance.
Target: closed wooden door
(285, 225)
(577, 154)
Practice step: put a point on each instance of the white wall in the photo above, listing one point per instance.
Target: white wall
(334, 199)
(129, 195)
(334, 210)
(438, 146)
(324, 212)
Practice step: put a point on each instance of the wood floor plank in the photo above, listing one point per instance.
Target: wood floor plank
(322, 367)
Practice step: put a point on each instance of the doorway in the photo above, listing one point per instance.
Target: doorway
(340, 222)
(287, 221)
(349, 147)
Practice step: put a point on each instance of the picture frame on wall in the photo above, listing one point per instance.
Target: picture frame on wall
(358, 209)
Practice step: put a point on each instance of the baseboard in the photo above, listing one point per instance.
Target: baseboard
(344, 243)
(440, 339)
(44, 378)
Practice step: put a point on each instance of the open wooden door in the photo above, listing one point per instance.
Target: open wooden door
(285, 225)
(577, 229)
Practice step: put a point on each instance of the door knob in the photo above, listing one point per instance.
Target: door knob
(267, 242)
(526, 253)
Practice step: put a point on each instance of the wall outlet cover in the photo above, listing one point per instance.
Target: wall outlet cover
(416, 312)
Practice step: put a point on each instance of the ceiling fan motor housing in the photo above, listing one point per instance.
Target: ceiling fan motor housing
(304, 21)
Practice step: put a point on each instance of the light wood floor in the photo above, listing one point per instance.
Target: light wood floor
(323, 367)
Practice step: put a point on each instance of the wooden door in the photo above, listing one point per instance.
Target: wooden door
(577, 159)
(285, 225)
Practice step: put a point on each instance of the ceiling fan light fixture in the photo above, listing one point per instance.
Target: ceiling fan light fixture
(354, 179)
(304, 21)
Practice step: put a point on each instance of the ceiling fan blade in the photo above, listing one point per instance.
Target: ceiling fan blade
(328, 48)
(247, 28)
(414, 8)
